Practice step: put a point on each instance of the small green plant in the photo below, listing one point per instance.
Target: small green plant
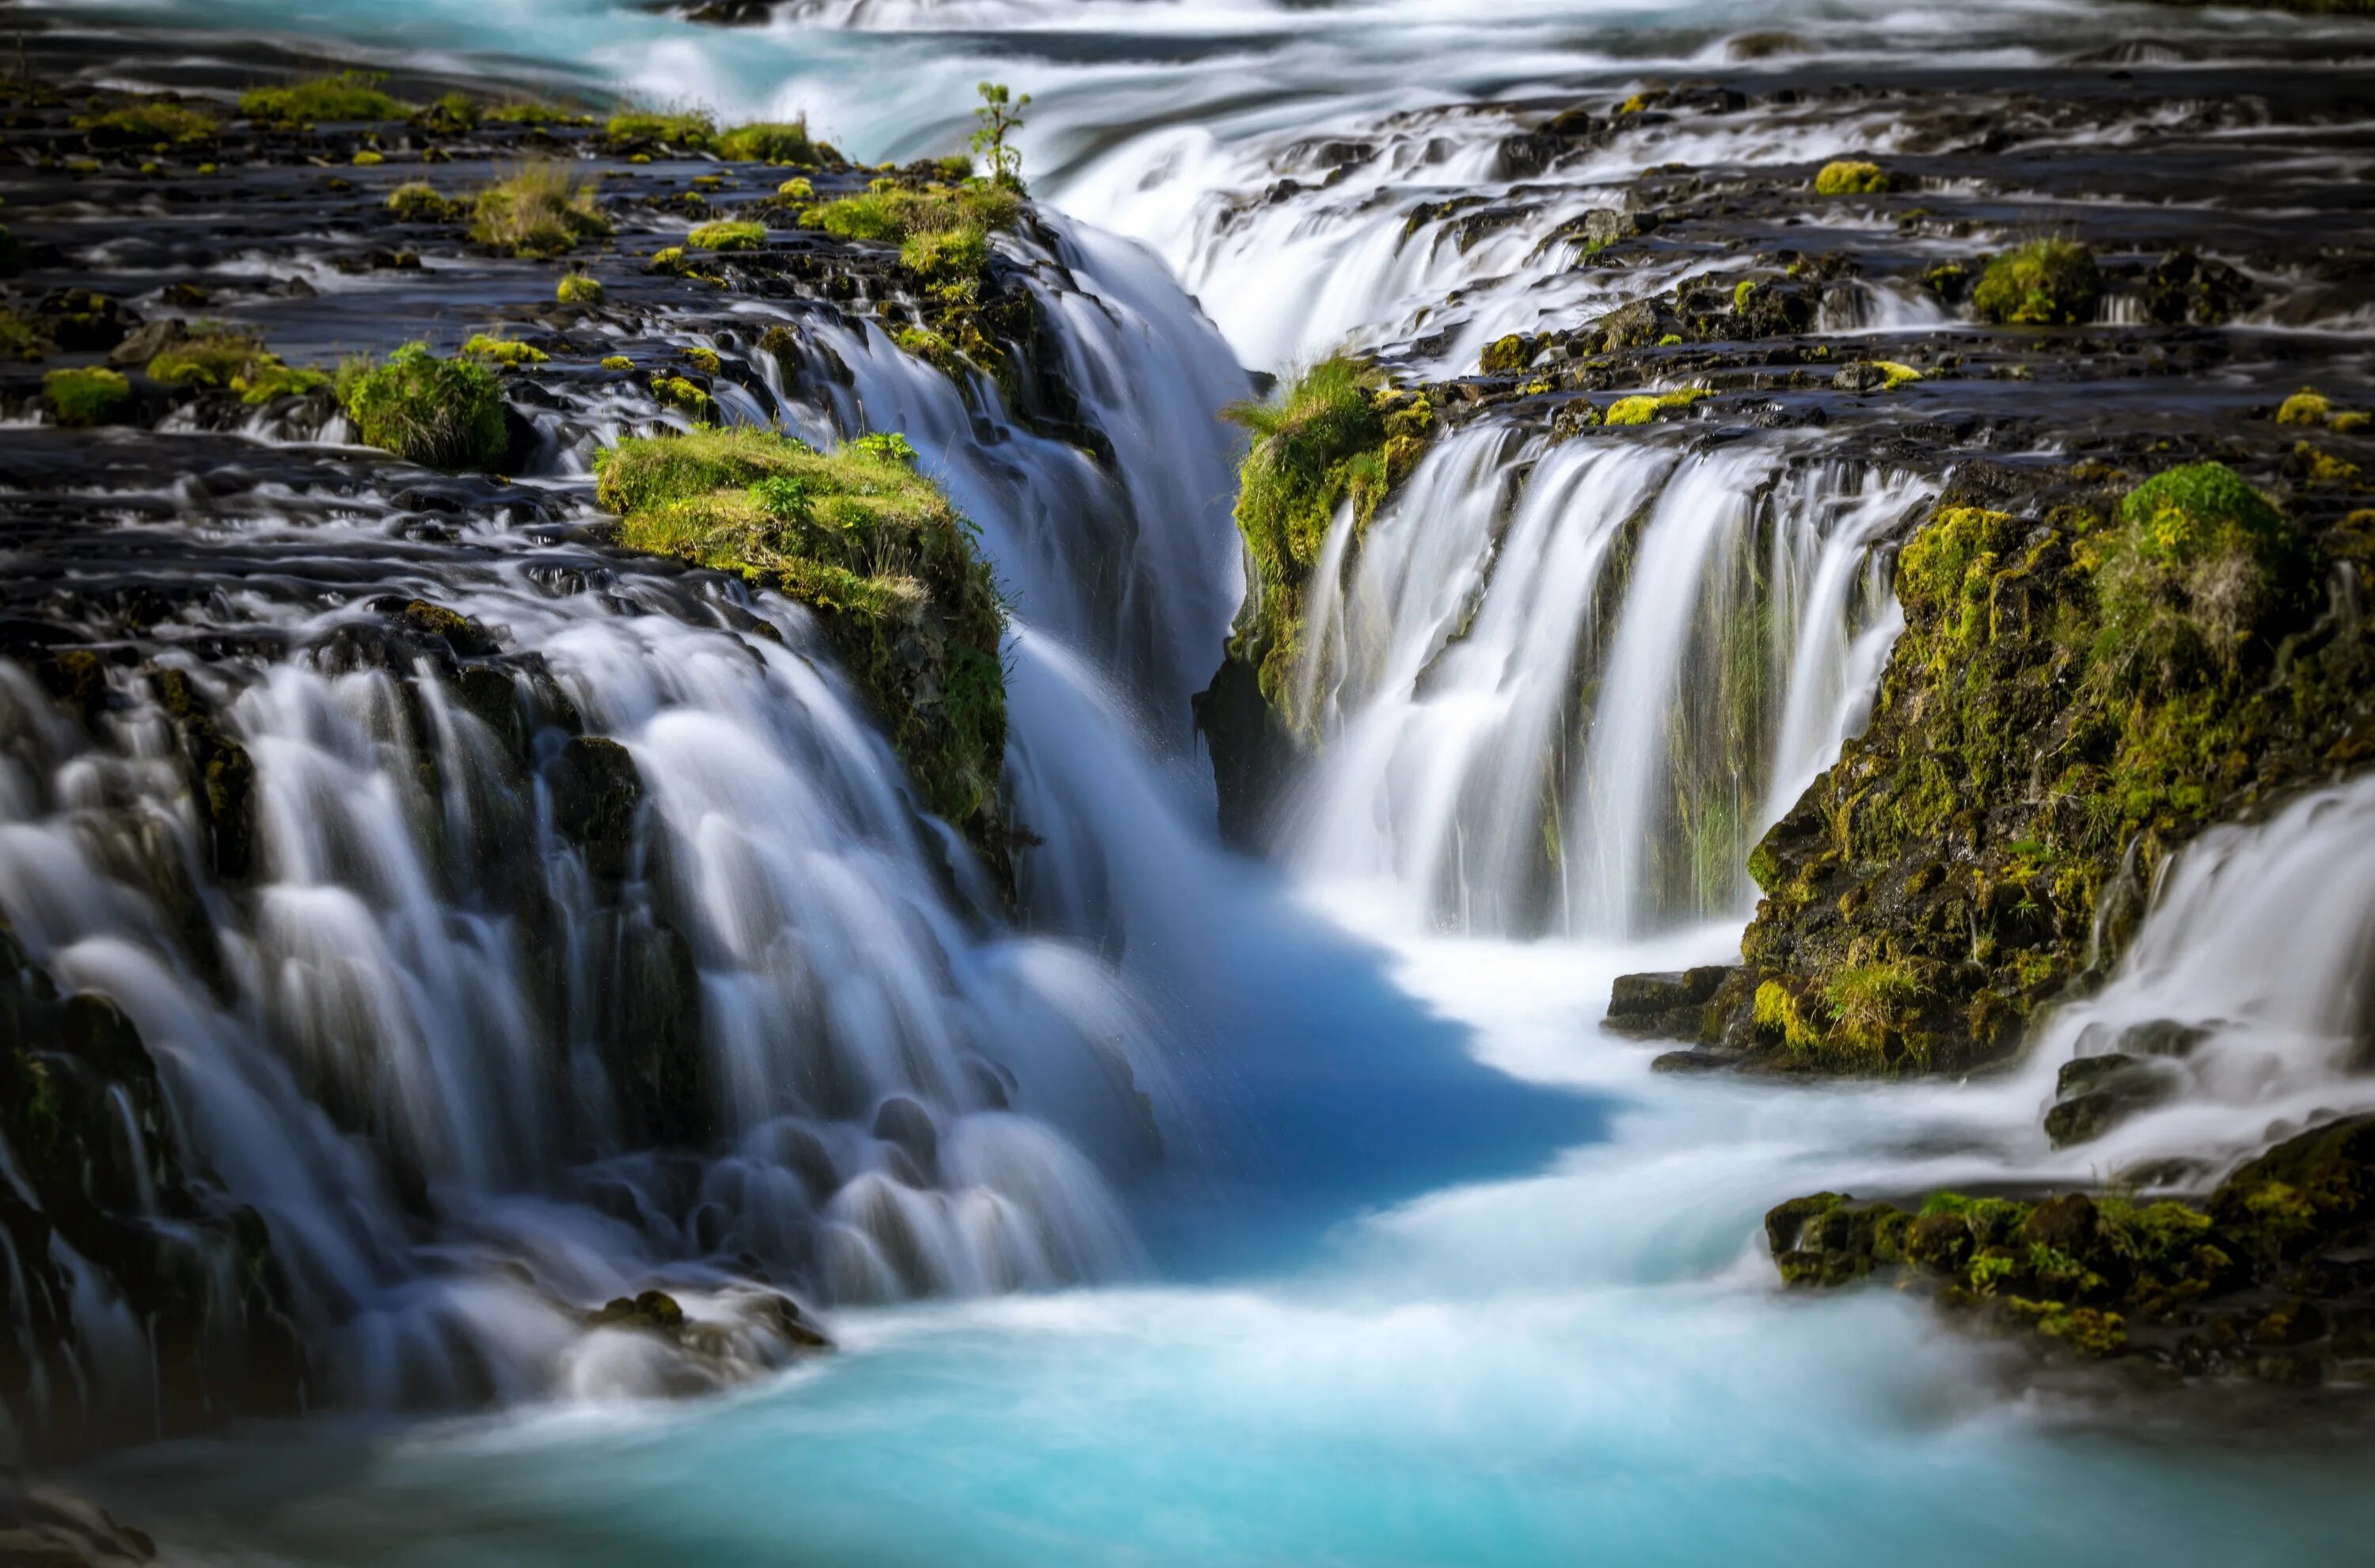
(729, 235)
(2307, 406)
(1000, 116)
(441, 413)
(617, 362)
(83, 397)
(946, 255)
(234, 360)
(579, 288)
(416, 201)
(799, 188)
(887, 446)
(149, 123)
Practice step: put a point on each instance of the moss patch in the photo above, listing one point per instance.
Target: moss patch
(443, 413)
(1851, 177)
(1646, 407)
(769, 142)
(348, 96)
(889, 568)
(2043, 283)
(2072, 695)
(728, 235)
(1339, 433)
(86, 396)
(234, 360)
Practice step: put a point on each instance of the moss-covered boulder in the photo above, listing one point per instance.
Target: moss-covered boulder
(2043, 283)
(1338, 434)
(2263, 1280)
(2075, 694)
(877, 552)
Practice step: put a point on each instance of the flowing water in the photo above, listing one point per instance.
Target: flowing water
(1239, 1213)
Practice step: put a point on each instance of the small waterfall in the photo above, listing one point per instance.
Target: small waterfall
(1566, 686)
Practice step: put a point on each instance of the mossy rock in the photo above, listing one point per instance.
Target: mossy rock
(889, 567)
(2043, 283)
(440, 413)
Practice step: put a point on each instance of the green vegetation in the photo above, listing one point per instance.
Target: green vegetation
(1000, 116)
(538, 209)
(440, 413)
(416, 201)
(82, 397)
(2107, 677)
(896, 213)
(348, 96)
(535, 112)
(24, 337)
(1337, 434)
(729, 235)
(151, 121)
(2044, 283)
(946, 255)
(617, 362)
(1850, 177)
(683, 128)
(877, 552)
(2307, 406)
(232, 360)
(2221, 1282)
(1642, 408)
(579, 288)
(768, 142)
(507, 352)
(799, 188)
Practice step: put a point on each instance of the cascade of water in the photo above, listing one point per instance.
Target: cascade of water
(616, 949)
(1567, 684)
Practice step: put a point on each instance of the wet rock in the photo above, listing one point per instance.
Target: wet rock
(597, 795)
(84, 320)
(2095, 1093)
(1669, 1004)
(2184, 289)
(221, 774)
(464, 636)
(903, 1122)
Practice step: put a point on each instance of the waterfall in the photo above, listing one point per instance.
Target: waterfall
(584, 933)
(1565, 685)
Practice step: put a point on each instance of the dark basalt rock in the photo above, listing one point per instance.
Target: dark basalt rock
(2095, 1093)
(1665, 1006)
(2265, 1280)
(597, 794)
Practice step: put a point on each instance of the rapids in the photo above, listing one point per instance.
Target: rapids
(1280, 1211)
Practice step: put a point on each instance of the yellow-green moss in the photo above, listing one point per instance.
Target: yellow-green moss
(729, 235)
(235, 361)
(348, 96)
(149, 123)
(682, 127)
(1336, 434)
(508, 352)
(1851, 177)
(890, 568)
(2307, 406)
(2043, 283)
(1643, 408)
(81, 397)
(579, 288)
(768, 142)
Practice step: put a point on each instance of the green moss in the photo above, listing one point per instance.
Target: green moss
(1868, 1003)
(535, 112)
(2043, 283)
(689, 396)
(1641, 409)
(507, 352)
(151, 122)
(730, 234)
(768, 142)
(538, 209)
(368, 158)
(236, 361)
(890, 568)
(685, 127)
(2307, 406)
(579, 288)
(81, 397)
(896, 213)
(1849, 177)
(1739, 293)
(946, 255)
(799, 188)
(705, 361)
(348, 96)
(443, 413)
(416, 201)
(1336, 434)
(1896, 375)
(1508, 356)
(617, 362)
(24, 337)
